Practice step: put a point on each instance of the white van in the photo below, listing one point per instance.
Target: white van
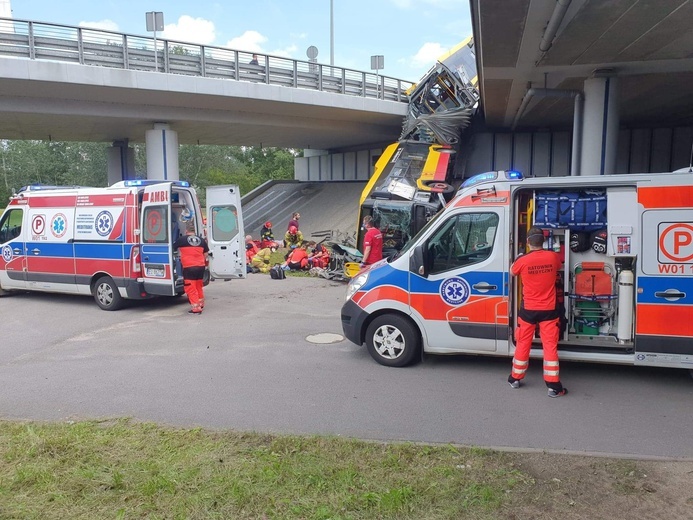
(628, 296)
(114, 243)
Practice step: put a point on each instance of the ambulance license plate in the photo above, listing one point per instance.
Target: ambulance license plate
(155, 272)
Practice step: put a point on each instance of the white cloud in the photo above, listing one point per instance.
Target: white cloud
(428, 55)
(287, 52)
(105, 25)
(250, 41)
(189, 29)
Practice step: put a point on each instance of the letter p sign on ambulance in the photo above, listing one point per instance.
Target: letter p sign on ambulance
(675, 242)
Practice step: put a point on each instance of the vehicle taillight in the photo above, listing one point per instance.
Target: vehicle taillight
(136, 266)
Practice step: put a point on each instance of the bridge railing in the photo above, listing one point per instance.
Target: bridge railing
(47, 41)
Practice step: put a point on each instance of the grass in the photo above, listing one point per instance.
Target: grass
(121, 469)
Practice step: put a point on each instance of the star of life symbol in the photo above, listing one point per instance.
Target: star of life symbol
(104, 223)
(59, 225)
(455, 291)
(7, 253)
(194, 240)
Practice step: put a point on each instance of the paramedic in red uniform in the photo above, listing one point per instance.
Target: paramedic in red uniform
(539, 271)
(193, 256)
(372, 242)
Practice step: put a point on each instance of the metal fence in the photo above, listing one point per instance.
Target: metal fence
(46, 41)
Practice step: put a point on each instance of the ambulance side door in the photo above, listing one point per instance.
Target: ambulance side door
(664, 296)
(156, 250)
(465, 288)
(225, 232)
(13, 245)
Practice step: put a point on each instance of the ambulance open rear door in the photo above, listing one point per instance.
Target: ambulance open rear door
(155, 240)
(225, 232)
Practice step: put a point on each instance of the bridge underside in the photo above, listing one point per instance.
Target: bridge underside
(68, 102)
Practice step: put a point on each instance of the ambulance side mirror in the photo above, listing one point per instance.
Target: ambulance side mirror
(418, 263)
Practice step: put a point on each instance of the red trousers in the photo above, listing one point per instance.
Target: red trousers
(548, 331)
(195, 291)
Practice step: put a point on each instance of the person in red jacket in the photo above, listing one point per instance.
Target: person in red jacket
(539, 271)
(297, 259)
(251, 249)
(193, 256)
(372, 242)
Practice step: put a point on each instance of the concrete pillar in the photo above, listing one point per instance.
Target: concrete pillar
(600, 126)
(121, 162)
(162, 153)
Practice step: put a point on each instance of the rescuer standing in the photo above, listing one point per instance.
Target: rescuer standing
(539, 271)
(372, 243)
(193, 256)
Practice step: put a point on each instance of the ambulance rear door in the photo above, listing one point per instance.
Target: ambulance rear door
(225, 232)
(155, 240)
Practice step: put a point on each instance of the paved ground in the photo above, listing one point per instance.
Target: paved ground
(246, 364)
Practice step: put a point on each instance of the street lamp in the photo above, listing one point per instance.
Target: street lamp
(155, 22)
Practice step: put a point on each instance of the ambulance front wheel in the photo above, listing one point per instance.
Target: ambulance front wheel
(107, 295)
(393, 340)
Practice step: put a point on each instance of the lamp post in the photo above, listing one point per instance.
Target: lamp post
(155, 22)
(331, 33)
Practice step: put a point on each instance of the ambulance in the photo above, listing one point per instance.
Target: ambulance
(625, 289)
(114, 243)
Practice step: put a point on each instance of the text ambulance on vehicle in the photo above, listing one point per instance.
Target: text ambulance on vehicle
(627, 281)
(114, 243)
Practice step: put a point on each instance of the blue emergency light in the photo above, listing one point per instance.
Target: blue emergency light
(150, 182)
(511, 175)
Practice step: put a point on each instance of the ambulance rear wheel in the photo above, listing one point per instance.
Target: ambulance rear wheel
(106, 294)
(393, 340)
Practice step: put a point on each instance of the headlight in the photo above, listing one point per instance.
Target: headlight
(355, 284)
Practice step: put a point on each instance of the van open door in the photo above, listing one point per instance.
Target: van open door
(155, 240)
(225, 232)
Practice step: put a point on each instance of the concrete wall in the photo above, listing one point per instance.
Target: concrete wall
(541, 154)
(347, 166)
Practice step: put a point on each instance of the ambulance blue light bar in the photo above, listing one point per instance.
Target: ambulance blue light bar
(43, 187)
(511, 175)
(149, 182)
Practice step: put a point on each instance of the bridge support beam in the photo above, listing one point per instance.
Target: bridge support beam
(162, 153)
(600, 126)
(121, 162)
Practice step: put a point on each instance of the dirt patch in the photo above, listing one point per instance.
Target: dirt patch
(571, 487)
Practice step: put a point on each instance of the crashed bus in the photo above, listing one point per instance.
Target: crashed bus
(416, 176)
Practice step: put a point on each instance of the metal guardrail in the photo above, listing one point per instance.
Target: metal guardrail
(95, 47)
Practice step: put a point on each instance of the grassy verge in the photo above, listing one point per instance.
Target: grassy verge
(122, 469)
(128, 470)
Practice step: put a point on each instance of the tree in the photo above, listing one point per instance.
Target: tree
(86, 164)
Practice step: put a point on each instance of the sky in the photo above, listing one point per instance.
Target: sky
(410, 34)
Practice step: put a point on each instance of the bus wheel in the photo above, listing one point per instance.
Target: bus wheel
(106, 294)
(393, 340)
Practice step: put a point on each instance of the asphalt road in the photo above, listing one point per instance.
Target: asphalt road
(245, 364)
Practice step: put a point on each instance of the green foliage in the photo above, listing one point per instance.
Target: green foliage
(86, 164)
(52, 163)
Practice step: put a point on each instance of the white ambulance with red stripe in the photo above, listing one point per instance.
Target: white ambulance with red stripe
(114, 243)
(627, 281)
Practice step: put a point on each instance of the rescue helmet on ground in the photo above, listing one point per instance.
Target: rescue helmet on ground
(293, 230)
(268, 224)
